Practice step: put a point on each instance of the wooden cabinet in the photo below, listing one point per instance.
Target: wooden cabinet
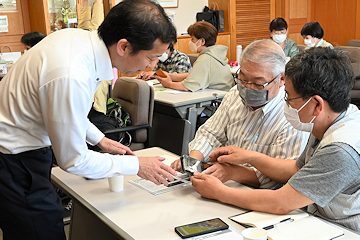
(183, 43)
(18, 21)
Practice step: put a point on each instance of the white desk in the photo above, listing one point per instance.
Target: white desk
(134, 213)
(175, 117)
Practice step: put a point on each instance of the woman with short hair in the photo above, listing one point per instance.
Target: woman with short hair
(313, 35)
(278, 32)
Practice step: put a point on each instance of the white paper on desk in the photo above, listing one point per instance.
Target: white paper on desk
(228, 234)
(181, 180)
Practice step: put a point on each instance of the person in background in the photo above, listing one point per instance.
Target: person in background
(87, 20)
(278, 32)
(251, 116)
(210, 70)
(45, 102)
(313, 35)
(172, 61)
(31, 39)
(325, 177)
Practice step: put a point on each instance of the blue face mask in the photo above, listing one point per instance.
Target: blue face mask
(252, 97)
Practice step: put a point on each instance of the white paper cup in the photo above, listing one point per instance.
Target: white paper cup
(116, 183)
(254, 234)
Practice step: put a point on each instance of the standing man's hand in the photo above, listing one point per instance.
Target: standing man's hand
(152, 168)
(111, 146)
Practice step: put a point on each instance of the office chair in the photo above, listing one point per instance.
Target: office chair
(301, 47)
(193, 58)
(137, 98)
(353, 43)
(354, 53)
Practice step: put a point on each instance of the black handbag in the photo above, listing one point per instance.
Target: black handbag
(207, 16)
(219, 15)
(215, 17)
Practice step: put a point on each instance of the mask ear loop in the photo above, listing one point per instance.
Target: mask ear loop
(304, 104)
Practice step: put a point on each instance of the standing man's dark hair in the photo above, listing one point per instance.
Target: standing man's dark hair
(325, 72)
(32, 38)
(140, 22)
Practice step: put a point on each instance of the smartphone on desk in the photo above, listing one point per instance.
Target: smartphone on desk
(200, 228)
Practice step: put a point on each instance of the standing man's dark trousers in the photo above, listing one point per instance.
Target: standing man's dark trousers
(29, 206)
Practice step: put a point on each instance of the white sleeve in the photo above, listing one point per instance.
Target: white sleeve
(65, 103)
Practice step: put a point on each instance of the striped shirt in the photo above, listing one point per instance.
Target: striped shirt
(264, 130)
(178, 62)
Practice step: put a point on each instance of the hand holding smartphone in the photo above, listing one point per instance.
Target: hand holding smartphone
(200, 228)
(191, 165)
(160, 73)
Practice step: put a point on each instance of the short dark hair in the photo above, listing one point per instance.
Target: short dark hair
(325, 72)
(140, 22)
(32, 38)
(204, 30)
(278, 24)
(313, 29)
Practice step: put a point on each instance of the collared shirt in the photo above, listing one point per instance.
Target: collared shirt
(264, 130)
(45, 100)
(178, 62)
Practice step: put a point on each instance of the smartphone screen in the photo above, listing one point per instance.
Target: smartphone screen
(199, 228)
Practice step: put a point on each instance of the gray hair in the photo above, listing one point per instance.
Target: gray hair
(265, 51)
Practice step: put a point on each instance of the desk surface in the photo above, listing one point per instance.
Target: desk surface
(187, 98)
(142, 215)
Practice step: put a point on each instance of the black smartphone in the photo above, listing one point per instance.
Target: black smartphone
(200, 228)
(191, 165)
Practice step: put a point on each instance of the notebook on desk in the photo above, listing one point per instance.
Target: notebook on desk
(297, 225)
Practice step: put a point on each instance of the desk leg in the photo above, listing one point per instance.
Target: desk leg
(192, 118)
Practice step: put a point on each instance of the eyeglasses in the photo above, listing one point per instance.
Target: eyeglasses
(256, 86)
(287, 99)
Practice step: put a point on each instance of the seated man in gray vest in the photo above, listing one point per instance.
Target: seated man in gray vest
(326, 176)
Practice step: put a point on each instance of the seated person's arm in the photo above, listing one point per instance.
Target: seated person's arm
(168, 82)
(227, 171)
(279, 170)
(176, 165)
(178, 77)
(281, 201)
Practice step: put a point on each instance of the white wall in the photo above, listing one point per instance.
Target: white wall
(185, 13)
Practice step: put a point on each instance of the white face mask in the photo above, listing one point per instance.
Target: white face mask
(279, 38)
(309, 43)
(163, 57)
(292, 116)
(193, 46)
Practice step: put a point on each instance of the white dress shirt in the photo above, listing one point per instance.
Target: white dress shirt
(45, 100)
(264, 130)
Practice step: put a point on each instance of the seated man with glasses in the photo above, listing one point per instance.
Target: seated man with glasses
(251, 116)
(326, 175)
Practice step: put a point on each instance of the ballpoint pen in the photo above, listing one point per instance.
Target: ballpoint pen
(284, 221)
(253, 140)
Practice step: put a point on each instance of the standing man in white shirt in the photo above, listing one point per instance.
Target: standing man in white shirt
(251, 116)
(44, 102)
